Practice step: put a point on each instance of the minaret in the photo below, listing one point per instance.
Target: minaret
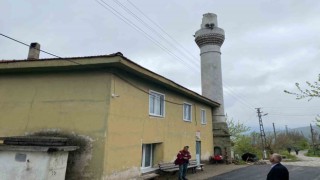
(210, 39)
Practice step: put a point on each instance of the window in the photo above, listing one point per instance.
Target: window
(203, 117)
(187, 111)
(156, 104)
(147, 153)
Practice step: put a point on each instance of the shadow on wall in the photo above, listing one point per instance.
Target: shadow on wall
(78, 159)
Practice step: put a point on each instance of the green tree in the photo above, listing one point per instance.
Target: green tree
(236, 129)
(244, 145)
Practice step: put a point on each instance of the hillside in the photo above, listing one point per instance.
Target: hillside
(306, 130)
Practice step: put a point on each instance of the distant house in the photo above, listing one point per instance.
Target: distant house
(130, 117)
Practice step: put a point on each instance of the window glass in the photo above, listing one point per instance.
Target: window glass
(156, 104)
(187, 112)
(203, 116)
(148, 153)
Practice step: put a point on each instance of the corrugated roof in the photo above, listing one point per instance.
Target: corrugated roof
(62, 59)
(122, 62)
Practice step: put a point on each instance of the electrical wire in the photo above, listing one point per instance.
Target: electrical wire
(38, 49)
(293, 115)
(152, 30)
(158, 26)
(119, 76)
(126, 20)
(225, 86)
(142, 90)
(243, 102)
(288, 107)
(29, 45)
(130, 23)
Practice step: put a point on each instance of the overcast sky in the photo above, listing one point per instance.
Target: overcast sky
(269, 45)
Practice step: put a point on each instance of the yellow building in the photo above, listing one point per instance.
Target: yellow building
(129, 117)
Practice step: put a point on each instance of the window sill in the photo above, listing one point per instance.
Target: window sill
(156, 116)
(147, 170)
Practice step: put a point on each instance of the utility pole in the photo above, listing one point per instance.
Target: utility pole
(254, 140)
(312, 138)
(262, 134)
(286, 129)
(274, 132)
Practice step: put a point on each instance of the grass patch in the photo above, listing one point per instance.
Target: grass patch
(288, 157)
(312, 153)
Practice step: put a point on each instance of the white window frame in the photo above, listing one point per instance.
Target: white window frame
(190, 116)
(203, 116)
(162, 108)
(144, 156)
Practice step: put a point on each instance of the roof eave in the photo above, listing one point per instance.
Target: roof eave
(116, 60)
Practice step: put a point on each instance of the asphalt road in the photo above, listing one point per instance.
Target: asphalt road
(259, 172)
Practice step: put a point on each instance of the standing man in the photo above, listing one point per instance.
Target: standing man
(278, 171)
(183, 160)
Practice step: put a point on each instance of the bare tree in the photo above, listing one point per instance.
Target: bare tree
(312, 91)
(292, 140)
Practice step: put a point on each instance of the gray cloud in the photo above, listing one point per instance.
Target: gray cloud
(269, 45)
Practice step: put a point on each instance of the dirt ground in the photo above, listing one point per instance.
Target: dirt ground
(209, 170)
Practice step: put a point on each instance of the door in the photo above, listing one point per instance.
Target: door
(147, 153)
(198, 151)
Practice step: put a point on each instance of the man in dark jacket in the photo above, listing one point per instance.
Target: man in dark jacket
(278, 171)
(183, 160)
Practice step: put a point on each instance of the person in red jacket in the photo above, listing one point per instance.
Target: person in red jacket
(183, 160)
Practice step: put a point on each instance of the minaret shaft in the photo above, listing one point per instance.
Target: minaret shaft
(209, 39)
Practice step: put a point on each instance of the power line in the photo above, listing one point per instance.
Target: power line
(152, 39)
(243, 102)
(240, 96)
(53, 54)
(142, 90)
(130, 12)
(225, 86)
(292, 115)
(162, 29)
(29, 45)
(159, 44)
(151, 29)
(130, 23)
(40, 49)
(288, 107)
(119, 15)
(303, 112)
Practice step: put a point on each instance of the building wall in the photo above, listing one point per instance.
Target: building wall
(130, 126)
(69, 103)
(110, 112)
